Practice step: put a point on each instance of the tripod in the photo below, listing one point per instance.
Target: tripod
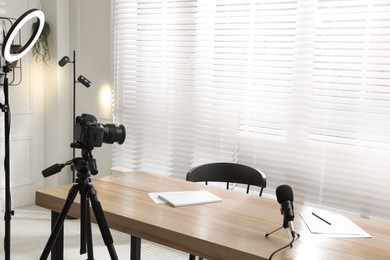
(286, 224)
(87, 193)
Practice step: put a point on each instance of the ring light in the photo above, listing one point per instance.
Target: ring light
(5, 108)
(9, 38)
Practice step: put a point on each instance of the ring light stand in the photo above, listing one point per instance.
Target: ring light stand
(9, 58)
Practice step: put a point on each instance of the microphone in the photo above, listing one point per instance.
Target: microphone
(285, 197)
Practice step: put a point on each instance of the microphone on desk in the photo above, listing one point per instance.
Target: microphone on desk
(285, 197)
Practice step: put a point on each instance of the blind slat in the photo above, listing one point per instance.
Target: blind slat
(299, 89)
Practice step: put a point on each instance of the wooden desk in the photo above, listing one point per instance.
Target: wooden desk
(233, 229)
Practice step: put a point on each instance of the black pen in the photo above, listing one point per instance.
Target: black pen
(327, 222)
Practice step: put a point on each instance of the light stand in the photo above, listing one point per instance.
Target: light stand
(81, 79)
(8, 212)
(5, 108)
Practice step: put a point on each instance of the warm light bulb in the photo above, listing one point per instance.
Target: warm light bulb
(105, 98)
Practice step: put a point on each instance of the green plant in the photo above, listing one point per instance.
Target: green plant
(41, 50)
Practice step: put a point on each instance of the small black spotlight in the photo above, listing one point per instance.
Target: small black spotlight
(62, 62)
(83, 80)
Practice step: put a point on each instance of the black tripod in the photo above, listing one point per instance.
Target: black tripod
(87, 193)
(286, 224)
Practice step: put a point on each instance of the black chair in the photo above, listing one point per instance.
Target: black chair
(229, 173)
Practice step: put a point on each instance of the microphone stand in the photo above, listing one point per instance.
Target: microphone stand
(290, 244)
(285, 226)
(284, 247)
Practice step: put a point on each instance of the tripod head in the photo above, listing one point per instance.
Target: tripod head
(84, 166)
(86, 153)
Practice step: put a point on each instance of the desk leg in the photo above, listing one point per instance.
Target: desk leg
(57, 252)
(135, 251)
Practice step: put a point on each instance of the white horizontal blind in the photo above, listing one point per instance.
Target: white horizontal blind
(298, 89)
(350, 103)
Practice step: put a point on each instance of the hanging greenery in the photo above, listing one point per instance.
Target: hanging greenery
(41, 49)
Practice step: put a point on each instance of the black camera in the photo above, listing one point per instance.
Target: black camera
(89, 133)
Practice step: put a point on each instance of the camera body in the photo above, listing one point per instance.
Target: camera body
(89, 133)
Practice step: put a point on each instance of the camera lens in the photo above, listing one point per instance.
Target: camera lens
(113, 133)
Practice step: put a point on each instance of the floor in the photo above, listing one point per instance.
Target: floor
(30, 230)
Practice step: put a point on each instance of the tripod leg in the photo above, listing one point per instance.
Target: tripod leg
(89, 235)
(101, 220)
(60, 222)
(83, 216)
(57, 251)
(266, 235)
(86, 245)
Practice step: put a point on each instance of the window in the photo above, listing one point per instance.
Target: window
(298, 89)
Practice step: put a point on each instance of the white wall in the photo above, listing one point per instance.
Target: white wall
(91, 38)
(57, 92)
(41, 105)
(83, 27)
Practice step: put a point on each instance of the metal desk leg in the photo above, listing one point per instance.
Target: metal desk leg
(57, 252)
(135, 251)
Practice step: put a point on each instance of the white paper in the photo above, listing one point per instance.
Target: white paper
(340, 226)
(155, 198)
(184, 198)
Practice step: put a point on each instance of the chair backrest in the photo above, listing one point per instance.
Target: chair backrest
(229, 173)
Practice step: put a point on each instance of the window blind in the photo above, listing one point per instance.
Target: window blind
(298, 89)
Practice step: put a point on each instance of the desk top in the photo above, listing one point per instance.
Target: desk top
(232, 229)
